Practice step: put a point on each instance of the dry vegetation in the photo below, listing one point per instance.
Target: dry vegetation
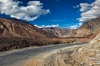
(17, 43)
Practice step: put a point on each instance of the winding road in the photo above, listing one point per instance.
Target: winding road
(16, 57)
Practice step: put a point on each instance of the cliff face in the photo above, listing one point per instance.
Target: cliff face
(89, 28)
(17, 28)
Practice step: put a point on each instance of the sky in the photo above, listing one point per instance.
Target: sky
(51, 13)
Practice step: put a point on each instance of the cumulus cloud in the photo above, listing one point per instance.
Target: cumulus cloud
(89, 11)
(46, 26)
(84, 7)
(30, 12)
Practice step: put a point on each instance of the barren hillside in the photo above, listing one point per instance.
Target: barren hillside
(89, 28)
(16, 34)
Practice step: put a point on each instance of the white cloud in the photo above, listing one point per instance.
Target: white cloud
(73, 27)
(76, 26)
(30, 12)
(76, 6)
(46, 26)
(89, 11)
(84, 7)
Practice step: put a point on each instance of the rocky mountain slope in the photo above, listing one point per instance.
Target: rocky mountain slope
(18, 34)
(15, 34)
(88, 28)
(60, 32)
(17, 28)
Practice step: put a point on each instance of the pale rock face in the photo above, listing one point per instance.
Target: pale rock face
(89, 55)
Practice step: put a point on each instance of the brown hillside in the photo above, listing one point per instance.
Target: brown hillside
(17, 28)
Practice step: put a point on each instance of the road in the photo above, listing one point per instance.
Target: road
(16, 57)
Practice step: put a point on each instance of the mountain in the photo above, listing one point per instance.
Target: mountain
(17, 28)
(15, 34)
(89, 28)
(60, 32)
(19, 34)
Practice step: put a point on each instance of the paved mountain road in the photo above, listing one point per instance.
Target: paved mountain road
(16, 57)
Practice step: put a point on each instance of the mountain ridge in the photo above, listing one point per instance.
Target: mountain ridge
(17, 28)
(88, 28)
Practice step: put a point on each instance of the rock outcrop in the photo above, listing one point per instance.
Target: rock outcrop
(88, 55)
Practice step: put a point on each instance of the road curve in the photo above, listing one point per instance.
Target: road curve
(16, 57)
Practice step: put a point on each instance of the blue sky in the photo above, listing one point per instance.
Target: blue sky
(63, 13)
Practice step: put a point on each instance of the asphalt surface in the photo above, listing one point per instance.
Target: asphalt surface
(16, 57)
